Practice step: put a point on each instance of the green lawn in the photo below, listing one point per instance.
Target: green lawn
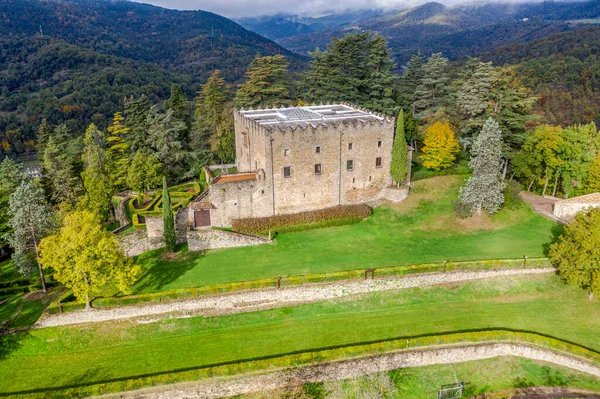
(95, 353)
(422, 229)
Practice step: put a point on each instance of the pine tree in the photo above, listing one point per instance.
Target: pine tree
(473, 97)
(399, 166)
(439, 147)
(411, 81)
(179, 105)
(432, 93)
(138, 122)
(59, 171)
(118, 149)
(168, 144)
(208, 112)
(224, 143)
(43, 134)
(315, 81)
(169, 222)
(485, 189)
(11, 177)
(381, 77)
(266, 85)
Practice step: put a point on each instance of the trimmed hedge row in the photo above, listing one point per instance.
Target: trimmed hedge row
(184, 293)
(342, 352)
(281, 223)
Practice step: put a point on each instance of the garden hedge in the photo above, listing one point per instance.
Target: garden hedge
(343, 214)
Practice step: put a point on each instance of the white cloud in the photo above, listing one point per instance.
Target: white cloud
(247, 8)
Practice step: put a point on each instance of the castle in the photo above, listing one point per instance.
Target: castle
(298, 159)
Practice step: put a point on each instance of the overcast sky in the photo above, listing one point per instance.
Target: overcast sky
(248, 8)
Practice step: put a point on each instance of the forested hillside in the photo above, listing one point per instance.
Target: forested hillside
(74, 61)
(458, 31)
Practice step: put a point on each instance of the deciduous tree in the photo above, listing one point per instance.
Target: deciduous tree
(439, 147)
(485, 189)
(576, 253)
(145, 172)
(85, 257)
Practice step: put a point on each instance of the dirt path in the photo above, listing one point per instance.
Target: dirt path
(354, 368)
(247, 301)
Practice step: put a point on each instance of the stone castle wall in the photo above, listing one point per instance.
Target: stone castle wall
(204, 239)
(269, 152)
(568, 210)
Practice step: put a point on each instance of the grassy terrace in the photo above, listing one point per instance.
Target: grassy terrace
(422, 229)
(91, 354)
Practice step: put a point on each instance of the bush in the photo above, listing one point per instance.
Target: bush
(462, 210)
(281, 223)
(512, 195)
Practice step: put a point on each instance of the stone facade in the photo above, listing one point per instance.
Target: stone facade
(204, 239)
(303, 159)
(155, 226)
(568, 208)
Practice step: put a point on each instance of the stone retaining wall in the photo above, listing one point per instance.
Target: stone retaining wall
(204, 239)
(355, 368)
(395, 194)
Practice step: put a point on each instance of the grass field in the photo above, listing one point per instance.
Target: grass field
(421, 229)
(488, 376)
(95, 353)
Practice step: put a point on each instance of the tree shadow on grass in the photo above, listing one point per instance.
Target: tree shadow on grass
(10, 343)
(165, 268)
(556, 232)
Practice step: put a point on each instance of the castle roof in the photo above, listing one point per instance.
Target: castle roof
(310, 115)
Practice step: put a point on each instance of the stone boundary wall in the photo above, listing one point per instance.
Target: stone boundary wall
(395, 194)
(201, 240)
(568, 210)
(138, 242)
(355, 368)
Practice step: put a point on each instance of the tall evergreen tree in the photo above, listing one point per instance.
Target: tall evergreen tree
(96, 179)
(169, 222)
(59, 171)
(208, 112)
(432, 93)
(118, 149)
(30, 220)
(138, 122)
(178, 103)
(411, 81)
(399, 166)
(166, 138)
(381, 79)
(266, 85)
(315, 81)
(144, 173)
(43, 134)
(485, 189)
(473, 97)
(11, 177)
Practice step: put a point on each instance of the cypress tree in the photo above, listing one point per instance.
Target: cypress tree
(169, 221)
(485, 189)
(399, 166)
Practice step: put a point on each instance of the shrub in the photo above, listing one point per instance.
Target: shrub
(461, 210)
(512, 195)
(280, 223)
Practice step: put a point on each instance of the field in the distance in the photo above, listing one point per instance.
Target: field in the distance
(96, 353)
(422, 229)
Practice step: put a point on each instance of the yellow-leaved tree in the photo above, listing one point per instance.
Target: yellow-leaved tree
(439, 147)
(85, 257)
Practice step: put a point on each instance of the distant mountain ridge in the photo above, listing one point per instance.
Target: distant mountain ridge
(457, 31)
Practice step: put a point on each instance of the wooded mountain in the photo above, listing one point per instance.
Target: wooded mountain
(74, 61)
(458, 31)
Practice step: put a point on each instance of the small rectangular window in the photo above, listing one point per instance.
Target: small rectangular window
(318, 150)
(317, 169)
(349, 164)
(287, 171)
(378, 162)
(379, 144)
(286, 152)
(349, 146)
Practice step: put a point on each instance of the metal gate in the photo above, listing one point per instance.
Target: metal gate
(202, 218)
